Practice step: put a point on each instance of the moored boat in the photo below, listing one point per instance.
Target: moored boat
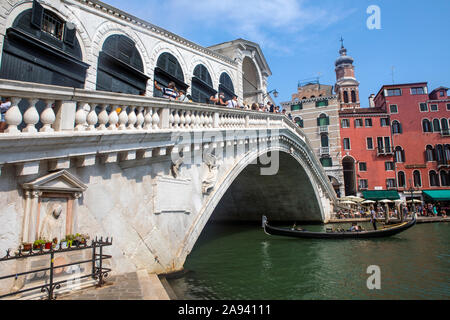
(386, 231)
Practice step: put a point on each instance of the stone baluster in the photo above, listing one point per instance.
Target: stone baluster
(103, 117)
(113, 118)
(48, 117)
(132, 118)
(176, 119)
(188, 119)
(92, 117)
(155, 118)
(123, 118)
(81, 117)
(182, 119)
(171, 118)
(211, 120)
(13, 117)
(139, 118)
(197, 119)
(148, 118)
(31, 117)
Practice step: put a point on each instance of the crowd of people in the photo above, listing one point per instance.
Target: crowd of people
(426, 210)
(172, 93)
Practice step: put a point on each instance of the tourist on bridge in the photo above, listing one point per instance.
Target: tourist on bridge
(3, 108)
(233, 103)
(219, 100)
(170, 92)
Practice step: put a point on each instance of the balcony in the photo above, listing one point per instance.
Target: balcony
(445, 132)
(443, 164)
(323, 129)
(324, 151)
(385, 151)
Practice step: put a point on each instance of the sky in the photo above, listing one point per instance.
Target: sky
(300, 38)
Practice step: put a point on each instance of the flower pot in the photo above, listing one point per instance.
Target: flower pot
(37, 246)
(48, 245)
(63, 245)
(26, 246)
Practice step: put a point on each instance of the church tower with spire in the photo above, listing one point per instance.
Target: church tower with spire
(347, 87)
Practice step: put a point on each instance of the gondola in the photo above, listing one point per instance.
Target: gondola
(386, 231)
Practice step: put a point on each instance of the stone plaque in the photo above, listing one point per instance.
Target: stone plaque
(172, 195)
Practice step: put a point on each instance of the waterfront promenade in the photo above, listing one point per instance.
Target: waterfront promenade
(138, 285)
(419, 219)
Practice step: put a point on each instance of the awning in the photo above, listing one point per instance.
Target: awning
(380, 195)
(437, 195)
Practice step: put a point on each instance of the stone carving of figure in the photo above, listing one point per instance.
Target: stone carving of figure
(53, 226)
(176, 167)
(210, 180)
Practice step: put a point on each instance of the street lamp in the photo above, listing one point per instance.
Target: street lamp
(275, 93)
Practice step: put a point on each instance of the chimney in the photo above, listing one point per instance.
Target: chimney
(371, 102)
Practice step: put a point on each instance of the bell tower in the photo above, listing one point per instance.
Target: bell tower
(347, 87)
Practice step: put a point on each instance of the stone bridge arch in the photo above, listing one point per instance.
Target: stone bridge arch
(315, 196)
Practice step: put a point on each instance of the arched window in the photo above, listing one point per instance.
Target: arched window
(120, 67)
(426, 125)
(417, 179)
(447, 154)
(436, 125)
(444, 125)
(299, 121)
(226, 86)
(434, 179)
(168, 69)
(399, 154)
(324, 140)
(353, 96)
(439, 153)
(202, 87)
(429, 153)
(401, 179)
(445, 181)
(345, 97)
(396, 127)
(41, 47)
(323, 120)
(312, 97)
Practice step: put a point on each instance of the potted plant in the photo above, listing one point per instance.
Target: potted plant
(48, 245)
(76, 239)
(26, 246)
(37, 245)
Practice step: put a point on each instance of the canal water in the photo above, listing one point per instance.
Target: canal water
(242, 262)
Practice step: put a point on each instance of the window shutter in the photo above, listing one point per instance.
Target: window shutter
(69, 33)
(37, 15)
(400, 128)
(328, 121)
(318, 122)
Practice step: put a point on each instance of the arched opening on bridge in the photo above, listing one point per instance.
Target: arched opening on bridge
(202, 87)
(286, 196)
(168, 69)
(120, 67)
(348, 165)
(42, 47)
(226, 86)
(251, 80)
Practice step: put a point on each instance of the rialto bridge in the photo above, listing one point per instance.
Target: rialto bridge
(144, 170)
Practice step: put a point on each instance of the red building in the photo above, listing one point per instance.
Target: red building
(420, 135)
(400, 142)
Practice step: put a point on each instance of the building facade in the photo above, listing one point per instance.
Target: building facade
(91, 45)
(315, 109)
(419, 122)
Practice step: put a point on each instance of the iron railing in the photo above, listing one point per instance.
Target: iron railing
(98, 272)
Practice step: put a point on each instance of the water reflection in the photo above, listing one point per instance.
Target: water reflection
(241, 262)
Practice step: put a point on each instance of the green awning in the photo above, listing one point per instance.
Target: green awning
(437, 195)
(380, 195)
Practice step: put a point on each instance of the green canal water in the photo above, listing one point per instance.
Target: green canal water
(242, 262)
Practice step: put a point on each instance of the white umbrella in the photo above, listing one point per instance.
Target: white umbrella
(415, 201)
(386, 201)
(347, 202)
(368, 202)
(354, 198)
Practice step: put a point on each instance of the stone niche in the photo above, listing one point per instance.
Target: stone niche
(50, 206)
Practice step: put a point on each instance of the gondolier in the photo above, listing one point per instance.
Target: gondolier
(373, 217)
